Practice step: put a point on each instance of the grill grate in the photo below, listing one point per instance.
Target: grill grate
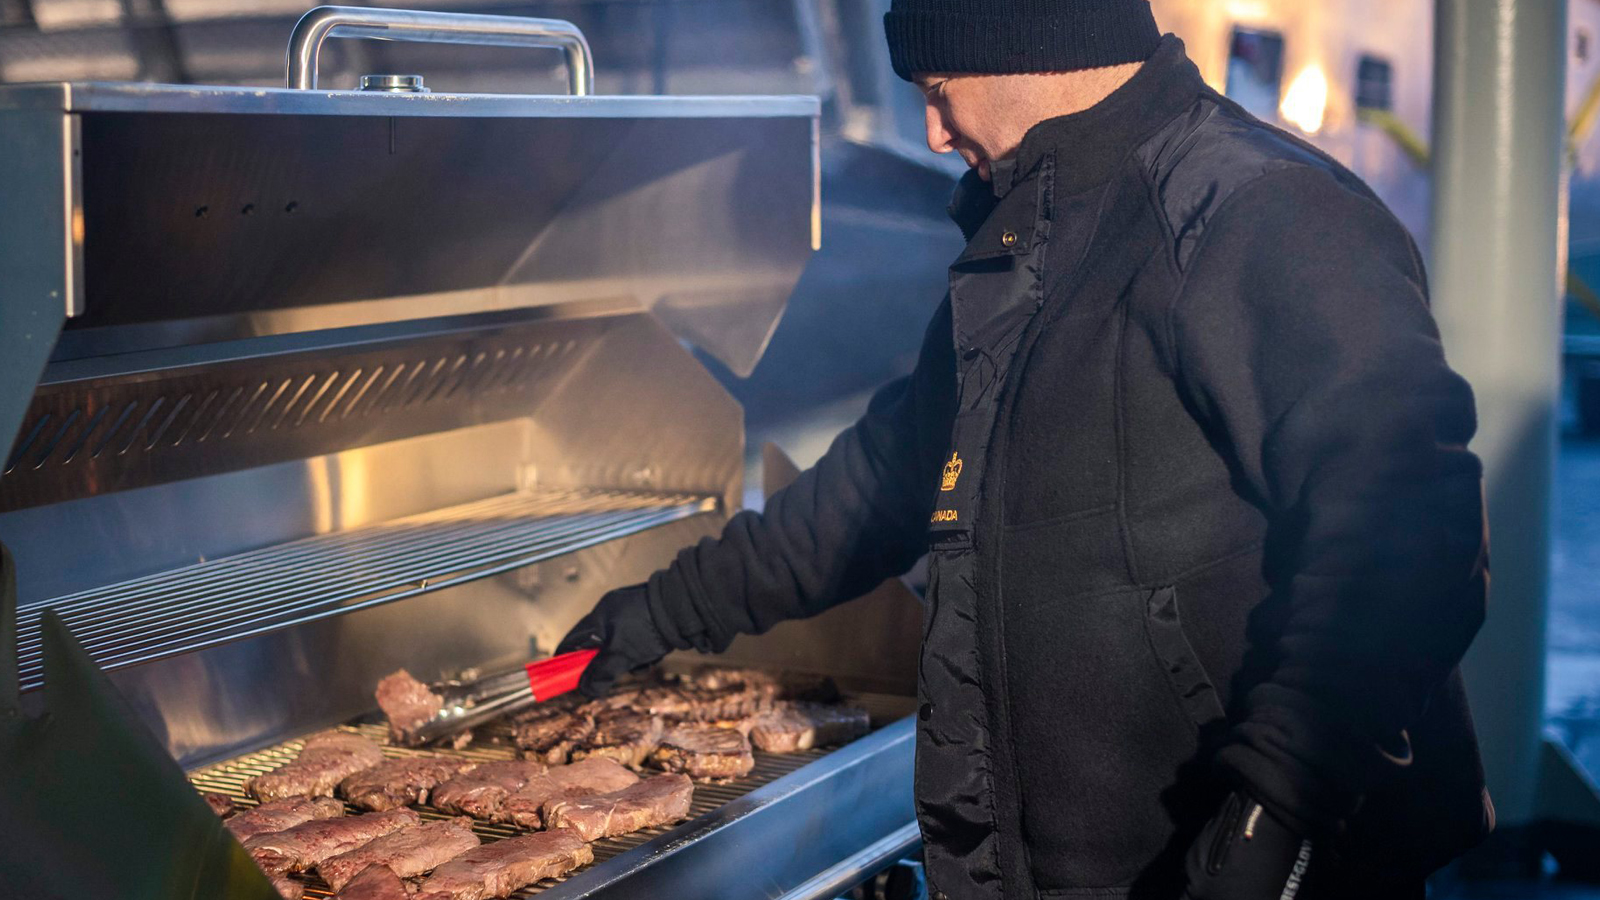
(229, 777)
(235, 597)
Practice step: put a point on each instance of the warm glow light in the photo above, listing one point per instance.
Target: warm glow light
(1247, 10)
(1307, 99)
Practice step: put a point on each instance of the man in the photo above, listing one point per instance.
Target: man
(1205, 540)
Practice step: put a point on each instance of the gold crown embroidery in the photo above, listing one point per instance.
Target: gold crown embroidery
(952, 471)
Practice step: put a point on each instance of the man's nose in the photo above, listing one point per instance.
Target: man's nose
(940, 138)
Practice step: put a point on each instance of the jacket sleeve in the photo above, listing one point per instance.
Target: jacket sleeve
(1302, 339)
(858, 516)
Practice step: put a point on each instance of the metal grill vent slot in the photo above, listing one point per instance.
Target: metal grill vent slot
(86, 438)
(446, 379)
(240, 596)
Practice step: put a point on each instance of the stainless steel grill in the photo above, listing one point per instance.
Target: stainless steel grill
(298, 388)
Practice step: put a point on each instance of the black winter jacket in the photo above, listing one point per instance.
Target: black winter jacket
(1212, 521)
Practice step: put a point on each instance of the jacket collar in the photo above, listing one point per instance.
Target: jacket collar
(1087, 148)
(1090, 145)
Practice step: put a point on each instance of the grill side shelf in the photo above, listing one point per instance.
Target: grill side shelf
(249, 594)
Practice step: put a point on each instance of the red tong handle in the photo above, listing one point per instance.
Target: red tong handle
(559, 674)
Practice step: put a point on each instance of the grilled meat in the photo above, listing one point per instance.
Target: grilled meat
(407, 853)
(305, 845)
(618, 699)
(327, 759)
(787, 686)
(480, 792)
(622, 735)
(287, 888)
(221, 804)
(705, 753)
(653, 801)
(802, 726)
(595, 775)
(407, 702)
(731, 705)
(281, 815)
(720, 678)
(668, 701)
(498, 869)
(550, 736)
(375, 883)
(400, 782)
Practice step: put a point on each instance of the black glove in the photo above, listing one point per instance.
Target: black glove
(1244, 853)
(620, 626)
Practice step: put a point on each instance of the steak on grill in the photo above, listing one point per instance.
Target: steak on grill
(375, 883)
(659, 800)
(801, 726)
(705, 753)
(221, 804)
(303, 846)
(622, 735)
(327, 759)
(480, 792)
(550, 736)
(595, 775)
(407, 853)
(498, 869)
(400, 782)
(720, 678)
(407, 702)
(281, 815)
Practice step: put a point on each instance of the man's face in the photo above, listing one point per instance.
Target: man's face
(966, 116)
(985, 117)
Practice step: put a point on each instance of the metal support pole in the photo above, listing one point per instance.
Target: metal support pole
(1499, 229)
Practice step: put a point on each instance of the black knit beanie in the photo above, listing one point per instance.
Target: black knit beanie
(1004, 36)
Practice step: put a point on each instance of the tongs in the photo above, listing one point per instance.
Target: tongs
(472, 703)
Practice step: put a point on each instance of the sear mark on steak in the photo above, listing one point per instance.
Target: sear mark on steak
(595, 775)
(480, 792)
(407, 853)
(407, 702)
(551, 736)
(375, 883)
(327, 759)
(281, 815)
(623, 735)
(305, 845)
(498, 869)
(221, 804)
(660, 800)
(705, 753)
(401, 782)
(801, 726)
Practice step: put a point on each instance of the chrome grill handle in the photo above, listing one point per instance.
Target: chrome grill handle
(323, 22)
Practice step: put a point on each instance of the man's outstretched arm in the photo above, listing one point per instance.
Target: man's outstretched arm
(855, 518)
